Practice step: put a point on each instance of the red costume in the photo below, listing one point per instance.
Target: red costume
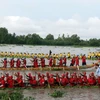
(58, 79)
(83, 60)
(18, 63)
(42, 62)
(50, 62)
(77, 61)
(64, 81)
(41, 81)
(24, 62)
(5, 63)
(30, 79)
(91, 80)
(64, 61)
(12, 63)
(60, 62)
(34, 81)
(80, 81)
(35, 62)
(72, 61)
(71, 81)
(10, 82)
(51, 80)
(2, 82)
(20, 81)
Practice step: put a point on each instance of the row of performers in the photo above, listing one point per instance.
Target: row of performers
(35, 61)
(49, 79)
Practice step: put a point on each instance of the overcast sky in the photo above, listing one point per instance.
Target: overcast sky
(80, 17)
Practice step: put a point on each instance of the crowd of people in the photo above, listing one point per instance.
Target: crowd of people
(36, 62)
(48, 79)
(90, 55)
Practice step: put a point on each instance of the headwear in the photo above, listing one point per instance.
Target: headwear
(84, 73)
(63, 75)
(29, 74)
(51, 75)
(18, 73)
(67, 73)
(5, 58)
(92, 73)
(42, 75)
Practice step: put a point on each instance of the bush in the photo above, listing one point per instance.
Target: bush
(29, 98)
(13, 96)
(57, 94)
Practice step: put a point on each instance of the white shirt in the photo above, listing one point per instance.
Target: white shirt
(98, 71)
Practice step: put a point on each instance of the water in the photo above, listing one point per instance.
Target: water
(45, 49)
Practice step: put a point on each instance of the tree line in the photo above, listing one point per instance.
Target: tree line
(35, 39)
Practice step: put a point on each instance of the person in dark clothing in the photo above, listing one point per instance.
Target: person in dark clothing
(50, 52)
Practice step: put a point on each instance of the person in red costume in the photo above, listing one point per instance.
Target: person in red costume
(93, 77)
(24, 62)
(4, 62)
(42, 62)
(64, 61)
(67, 75)
(83, 60)
(35, 62)
(72, 61)
(91, 81)
(71, 80)
(2, 82)
(50, 61)
(6, 79)
(34, 81)
(51, 80)
(10, 82)
(41, 81)
(80, 81)
(60, 62)
(64, 81)
(29, 78)
(84, 78)
(75, 78)
(12, 61)
(77, 62)
(57, 79)
(20, 81)
(18, 63)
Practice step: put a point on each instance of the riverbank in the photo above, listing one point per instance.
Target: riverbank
(70, 93)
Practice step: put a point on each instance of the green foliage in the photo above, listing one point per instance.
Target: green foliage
(4, 96)
(35, 39)
(14, 96)
(57, 94)
(29, 98)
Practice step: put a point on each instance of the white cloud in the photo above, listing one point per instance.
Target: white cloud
(19, 25)
(23, 25)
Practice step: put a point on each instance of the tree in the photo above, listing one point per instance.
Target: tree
(3, 35)
(49, 37)
(75, 39)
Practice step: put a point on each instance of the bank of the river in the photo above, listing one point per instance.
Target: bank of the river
(70, 93)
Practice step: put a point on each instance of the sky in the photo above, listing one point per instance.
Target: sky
(81, 17)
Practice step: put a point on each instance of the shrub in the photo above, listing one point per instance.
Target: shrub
(57, 94)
